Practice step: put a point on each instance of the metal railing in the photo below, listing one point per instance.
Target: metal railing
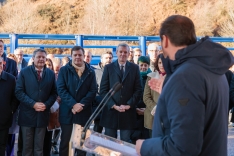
(141, 41)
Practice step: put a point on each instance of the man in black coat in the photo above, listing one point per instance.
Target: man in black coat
(120, 111)
(36, 91)
(77, 89)
(8, 105)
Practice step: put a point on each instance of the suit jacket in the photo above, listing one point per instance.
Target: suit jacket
(29, 91)
(128, 95)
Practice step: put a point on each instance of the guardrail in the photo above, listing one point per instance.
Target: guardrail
(79, 40)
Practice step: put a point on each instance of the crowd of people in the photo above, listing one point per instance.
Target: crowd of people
(51, 94)
(170, 103)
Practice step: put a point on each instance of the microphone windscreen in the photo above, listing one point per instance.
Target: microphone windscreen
(118, 87)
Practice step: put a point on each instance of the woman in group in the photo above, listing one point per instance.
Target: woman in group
(150, 97)
(53, 121)
(140, 132)
(49, 64)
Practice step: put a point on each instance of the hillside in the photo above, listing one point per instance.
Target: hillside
(113, 17)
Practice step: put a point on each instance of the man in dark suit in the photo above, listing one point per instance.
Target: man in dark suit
(120, 111)
(36, 91)
(21, 62)
(8, 105)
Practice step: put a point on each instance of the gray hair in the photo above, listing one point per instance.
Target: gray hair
(38, 50)
(123, 45)
(154, 45)
(18, 50)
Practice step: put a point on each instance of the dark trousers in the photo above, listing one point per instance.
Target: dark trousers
(50, 140)
(20, 143)
(3, 140)
(97, 127)
(124, 134)
(137, 134)
(10, 145)
(65, 138)
(33, 139)
(47, 143)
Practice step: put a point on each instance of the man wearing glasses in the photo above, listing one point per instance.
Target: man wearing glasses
(153, 51)
(21, 62)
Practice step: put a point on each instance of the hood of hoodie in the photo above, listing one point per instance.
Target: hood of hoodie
(206, 53)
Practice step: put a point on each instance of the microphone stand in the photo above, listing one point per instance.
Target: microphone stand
(114, 89)
(90, 119)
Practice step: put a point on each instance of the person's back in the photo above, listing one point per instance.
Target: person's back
(191, 114)
(193, 107)
(210, 93)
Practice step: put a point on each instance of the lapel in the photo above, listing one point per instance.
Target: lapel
(127, 69)
(116, 68)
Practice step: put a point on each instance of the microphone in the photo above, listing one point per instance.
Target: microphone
(116, 87)
(101, 102)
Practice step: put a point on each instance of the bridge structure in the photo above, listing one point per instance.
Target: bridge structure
(140, 41)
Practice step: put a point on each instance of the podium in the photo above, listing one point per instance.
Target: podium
(97, 144)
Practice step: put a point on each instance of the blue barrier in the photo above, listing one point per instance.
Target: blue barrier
(79, 40)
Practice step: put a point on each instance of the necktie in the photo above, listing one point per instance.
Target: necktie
(122, 71)
(39, 75)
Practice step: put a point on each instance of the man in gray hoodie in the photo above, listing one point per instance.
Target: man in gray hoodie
(191, 115)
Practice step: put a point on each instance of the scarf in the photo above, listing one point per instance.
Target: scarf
(144, 74)
(79, 70)
(162, 73)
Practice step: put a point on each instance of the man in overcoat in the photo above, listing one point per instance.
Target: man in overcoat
(77, 88)
(120, 111)
(36, 91)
